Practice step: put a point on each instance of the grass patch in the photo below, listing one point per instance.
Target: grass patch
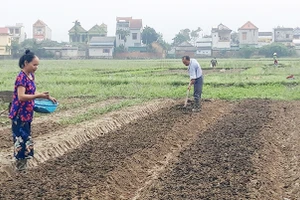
(92, 113)
(98, 80)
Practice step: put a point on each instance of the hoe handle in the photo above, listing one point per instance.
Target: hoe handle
(187, 97)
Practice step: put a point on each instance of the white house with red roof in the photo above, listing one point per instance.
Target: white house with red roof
(5, 42)
(248, 35)
(41, 31)
(134, 28)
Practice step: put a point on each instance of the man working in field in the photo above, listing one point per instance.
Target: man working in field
(196, 79)
(214, 62)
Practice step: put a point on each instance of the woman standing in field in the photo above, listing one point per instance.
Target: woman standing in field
(21, 111)
(275, 59)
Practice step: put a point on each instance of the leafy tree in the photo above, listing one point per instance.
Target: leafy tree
(15, 49)
(178, 39)
(120, 49)
(30, 44)
(149, 35)
(162, 42)
(235, 38)
(279, 48)
(186, 35)
(195, 34)
(246, 52)
(36, 47)
(123, 34)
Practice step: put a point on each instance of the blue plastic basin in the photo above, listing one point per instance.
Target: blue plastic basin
(44, 106)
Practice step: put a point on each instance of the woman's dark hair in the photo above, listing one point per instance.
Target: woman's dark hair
(28, 56)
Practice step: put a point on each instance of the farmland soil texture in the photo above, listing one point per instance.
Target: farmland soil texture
(246, 149)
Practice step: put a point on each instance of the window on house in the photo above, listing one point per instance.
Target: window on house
(11, 30)
(287, 36)
(17, 31)
(74, 39)
(134, 36)
(244, 35)
(39, 31)
(84, 38)
(106, 50)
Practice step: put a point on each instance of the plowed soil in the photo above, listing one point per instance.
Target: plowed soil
(230, 150)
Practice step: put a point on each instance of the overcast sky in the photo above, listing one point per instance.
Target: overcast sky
(165, 16)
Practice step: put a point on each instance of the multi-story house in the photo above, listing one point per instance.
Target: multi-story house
(296, 40)
(221, 37)
(128, 32)
(77, 34)
(296, 33)
(264, 38)
(17, 32)
(5, 42)
(248, 35)
(101, 47)
(97, 31)
(283, 35)
(204, 47)
(41, 31)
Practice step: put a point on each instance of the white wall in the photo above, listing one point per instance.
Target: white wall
(130, 42)
(217, 44)
(251, 38)
(20, 36)
(204, 52)
(69, 53)
(99, 52)
(203, 44)
(280, 35)
(215, 39)
(48, 33)
(23, 34)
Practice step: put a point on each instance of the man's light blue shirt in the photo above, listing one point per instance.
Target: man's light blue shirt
(194, 69)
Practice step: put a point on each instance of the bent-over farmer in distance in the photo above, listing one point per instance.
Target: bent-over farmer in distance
(196, 79)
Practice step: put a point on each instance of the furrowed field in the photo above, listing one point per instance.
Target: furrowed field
(120, 131)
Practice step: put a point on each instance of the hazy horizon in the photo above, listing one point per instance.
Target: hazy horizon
(166, 17)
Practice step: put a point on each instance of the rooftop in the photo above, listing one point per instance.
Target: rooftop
(248, 26)
(4, 31)
(133, 23)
